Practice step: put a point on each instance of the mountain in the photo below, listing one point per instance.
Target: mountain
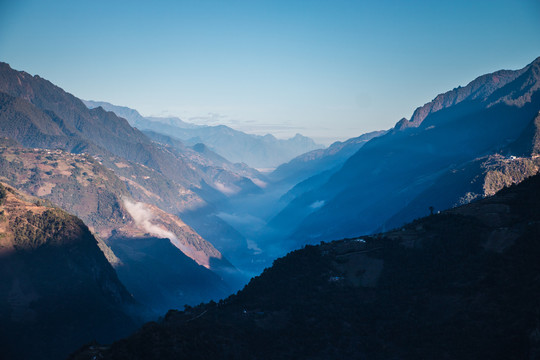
(384, 176)
(320, 160)
(461, 284)
(81, 185)
(38, 114)
(236, 146)
(137, 120)
(84, 187)
(161, 276)
(57, 289)
(479, 89)
(209, 160)
(478, 178)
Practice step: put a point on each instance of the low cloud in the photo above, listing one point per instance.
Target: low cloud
(241, 219)
(252, 245)
(143, 216)
(259, 182)
(227, 190)
(317, 204)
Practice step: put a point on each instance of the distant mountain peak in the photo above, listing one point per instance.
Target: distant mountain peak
(258, 151)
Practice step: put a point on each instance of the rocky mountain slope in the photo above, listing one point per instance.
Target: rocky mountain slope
(38, 114)
(57, 289)
(236, 146)
(84, 187)
(461, 284)
(389, 172)
(479, 89)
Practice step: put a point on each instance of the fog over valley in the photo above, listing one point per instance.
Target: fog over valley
(269, 180)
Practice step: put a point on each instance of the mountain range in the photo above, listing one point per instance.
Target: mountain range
(108, 218)
(94, 164)
(84, 187)
(255, 150)
(38, 114)
(461, 284)
(396, 177)
(321, 160)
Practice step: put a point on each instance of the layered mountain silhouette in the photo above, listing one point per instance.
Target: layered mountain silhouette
(57, 289)
(236, 146)
(211, 161)
(456, 285)
(386, 175)
(154, 196)
(38, 114)
(84, 187)
(313, 162)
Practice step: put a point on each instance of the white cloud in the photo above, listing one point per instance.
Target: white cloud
(317, 204)
(143, 217)
(227, 190)
(259, 182)
(252, 245)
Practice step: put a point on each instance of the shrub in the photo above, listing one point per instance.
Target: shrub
(3, 194)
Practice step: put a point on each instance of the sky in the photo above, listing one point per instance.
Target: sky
(330, 70)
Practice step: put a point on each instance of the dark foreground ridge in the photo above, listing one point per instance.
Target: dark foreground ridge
(463, 284)
(57, 289)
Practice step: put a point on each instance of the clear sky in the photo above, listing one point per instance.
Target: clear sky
(327, 69)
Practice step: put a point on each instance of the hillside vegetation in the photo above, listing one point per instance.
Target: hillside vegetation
(457, 285)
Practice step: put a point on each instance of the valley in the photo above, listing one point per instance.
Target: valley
(456, 284)
(161, 220)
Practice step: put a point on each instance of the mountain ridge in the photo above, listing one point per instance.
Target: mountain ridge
(303, 166)
(142, 164)
(258, 151)
(468, 290)
(389, 171)
(481, 87)
(84, 187)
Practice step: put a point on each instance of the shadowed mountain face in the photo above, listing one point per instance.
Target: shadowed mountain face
(161, 276)
(57, 289)
(478, 178)
(317, 161)
(72, 119)
(255, 150)
(390, 171)
(478, 89)
(457, 285)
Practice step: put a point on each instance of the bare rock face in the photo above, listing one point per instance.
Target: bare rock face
(83, 186)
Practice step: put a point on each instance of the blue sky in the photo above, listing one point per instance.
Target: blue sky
(327, 69)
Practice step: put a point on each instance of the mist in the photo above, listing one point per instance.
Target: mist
(143, 216)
